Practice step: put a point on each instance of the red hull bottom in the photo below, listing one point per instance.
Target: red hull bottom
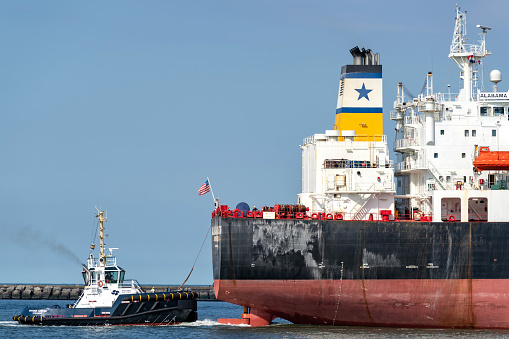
(394, 303)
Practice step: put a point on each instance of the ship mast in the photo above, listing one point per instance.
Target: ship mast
(467, 56)
(102, 256)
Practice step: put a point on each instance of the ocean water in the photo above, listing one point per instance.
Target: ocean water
(207, 327)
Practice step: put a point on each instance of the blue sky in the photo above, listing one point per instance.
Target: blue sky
(130, 105)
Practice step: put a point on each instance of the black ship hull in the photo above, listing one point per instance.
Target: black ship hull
(419, 274)
(136, 309)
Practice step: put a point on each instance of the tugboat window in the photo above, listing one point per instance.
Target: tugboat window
(85, 277)
(111, 277)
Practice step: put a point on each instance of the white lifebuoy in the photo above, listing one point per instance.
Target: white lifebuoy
(100, 283)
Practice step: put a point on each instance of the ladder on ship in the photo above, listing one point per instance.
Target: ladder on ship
(361, 212)
(371, 146)
(436, 174)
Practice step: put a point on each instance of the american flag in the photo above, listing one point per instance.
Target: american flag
(205, 188)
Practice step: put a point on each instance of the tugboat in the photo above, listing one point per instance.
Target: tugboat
(109, 299)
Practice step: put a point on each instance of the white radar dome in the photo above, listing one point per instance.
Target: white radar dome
(495, 76)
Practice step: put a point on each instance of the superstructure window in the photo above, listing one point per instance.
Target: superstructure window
(441, 132)
(466, 132)
(111, 276)
(484, 111)
(435, 155)
(493, 132)
(463, 155)
(498, 110)
(474, 132)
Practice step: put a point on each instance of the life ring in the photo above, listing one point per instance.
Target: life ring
(452, 218)
(100, 283)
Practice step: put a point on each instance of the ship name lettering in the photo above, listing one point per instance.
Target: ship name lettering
(493, 95)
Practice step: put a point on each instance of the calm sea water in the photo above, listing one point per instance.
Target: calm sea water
(207, 327)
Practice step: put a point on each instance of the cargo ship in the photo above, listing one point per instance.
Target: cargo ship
(109, 299)
(417, 242)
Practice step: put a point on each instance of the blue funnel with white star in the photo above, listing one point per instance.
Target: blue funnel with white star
(359, 110)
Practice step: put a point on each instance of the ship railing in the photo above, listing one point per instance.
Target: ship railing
(131, 283)
(110, 261)
(358, 138)
(77, 300)
(369, 215)
(456, 217)
(419, 164)
(346, 163)
(413, 216)
(467, 49)
(413, 120)
(406, 142)
(396, 115)
(309, 140)
(448, 96)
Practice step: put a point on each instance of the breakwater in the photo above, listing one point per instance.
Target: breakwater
(72, 292)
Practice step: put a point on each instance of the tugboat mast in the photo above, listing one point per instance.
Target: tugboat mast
(102, 256)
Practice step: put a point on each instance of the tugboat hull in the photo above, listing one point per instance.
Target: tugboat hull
(139, 309)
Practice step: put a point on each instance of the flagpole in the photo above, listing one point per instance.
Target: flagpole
(212, 191)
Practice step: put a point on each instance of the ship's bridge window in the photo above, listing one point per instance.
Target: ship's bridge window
(484, 111)
(111, 276)
(85, 277)
(498, 110)
(122, 273)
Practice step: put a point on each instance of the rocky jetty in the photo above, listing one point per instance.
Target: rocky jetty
(72, 292)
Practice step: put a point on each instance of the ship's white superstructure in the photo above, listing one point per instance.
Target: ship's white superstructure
(347, 170)
(438, 136)
(104, 279)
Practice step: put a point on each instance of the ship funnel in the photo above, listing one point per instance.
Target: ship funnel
(360, 104)
(357, 56)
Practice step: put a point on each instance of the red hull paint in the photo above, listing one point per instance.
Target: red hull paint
(430, 303)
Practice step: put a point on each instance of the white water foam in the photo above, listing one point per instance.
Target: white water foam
(208, 322)
(9, 323)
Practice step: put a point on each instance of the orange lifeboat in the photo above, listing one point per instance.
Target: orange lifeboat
(494, 161)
